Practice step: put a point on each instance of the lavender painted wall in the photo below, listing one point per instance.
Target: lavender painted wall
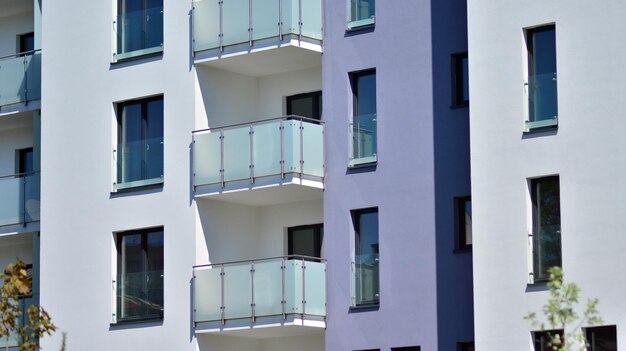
(423, 163)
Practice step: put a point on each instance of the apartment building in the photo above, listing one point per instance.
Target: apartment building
(240, 174)
(547, 182)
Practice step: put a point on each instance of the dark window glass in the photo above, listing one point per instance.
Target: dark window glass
(140, 274)
(461, 79)
(543, 340)
(306, 240)
(542, 84)
(140, 138)
(139, 25)
(407, 348)
(362, 10)
(602, 338)
(546, 226)
(366, 265)
(466, 346)
(27, 42)
(464, 222)
(305, 105)
(364, 120)
(25, 161)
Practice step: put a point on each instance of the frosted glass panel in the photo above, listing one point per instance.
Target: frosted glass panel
(290, 16)
(293, 286)
(236, 21)
(12, 83)
(207, 296)
(237, 291)
(237, 154)
(10, 206)
(315, 288)
(264, 19)
(33, 77)
(268, 292)
(207, 158)
(31, 197)
(312, 19)
(266, 140)
(292, 146)
(206, 24)
(313, 149)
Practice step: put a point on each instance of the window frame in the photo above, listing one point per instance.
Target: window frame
(22, 41)
(590, 335)
(118, 183)
(362, 23)
(317, 103)
(460, 225)
(538, 338)
(370, 160)
(534, 276)
(318, 232)
(121, 55)
(118, 236)
(356, 216)
(458, 79)
(531, 123)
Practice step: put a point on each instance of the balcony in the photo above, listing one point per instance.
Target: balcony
(24, 302)
(20, 199)
(219, 24)
(242, 298)
(286, 152)
(20, 78)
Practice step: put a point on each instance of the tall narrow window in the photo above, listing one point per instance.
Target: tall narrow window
(361, 13)
(140, 143)
(546, 210)
(363, 143)
(602, 338)
(139, 27)
(464, 222)
(543, 340)
(542, 84)
(366, 259)
(460, 93)
(140, 274)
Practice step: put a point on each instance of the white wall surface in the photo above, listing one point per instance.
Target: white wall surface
(585, 152)
(11, 27)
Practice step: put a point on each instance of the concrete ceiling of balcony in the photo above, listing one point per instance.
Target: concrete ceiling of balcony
(269, 332)
(269, 196)
(14, 7)
(268, 62)
(12, 239)
(15, 120)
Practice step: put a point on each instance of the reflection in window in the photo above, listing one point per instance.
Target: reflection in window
(464, 223)
(139, 27)
(140, 274)
(546, 211)
(542, 77)
(364, 118)
(362, 13)
(366, 258)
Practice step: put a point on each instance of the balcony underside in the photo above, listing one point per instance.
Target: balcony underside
(262, 61)
(265, 327)
(270, 191)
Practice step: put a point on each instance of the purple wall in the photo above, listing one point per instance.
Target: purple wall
(423, 163)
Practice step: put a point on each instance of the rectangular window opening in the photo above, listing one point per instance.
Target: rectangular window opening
(361, 13)
(139, 275)
(306, 240)
(139, 28)
(460, 78)
(543, 340)
(363, 127)
(305, 105)
(464, 223)
(542, 77)
(546, 232)
(140, 143)
(366, 290)
(602, 338)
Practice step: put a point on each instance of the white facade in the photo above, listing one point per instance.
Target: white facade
(582, 150)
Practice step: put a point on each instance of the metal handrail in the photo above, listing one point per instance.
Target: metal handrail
(283, 118)
(20, 54)
(287, 257)
(19, 175)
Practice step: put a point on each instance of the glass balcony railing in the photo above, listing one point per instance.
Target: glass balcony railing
(19, 202)
(139, 295)
(139, 32)
(542, 101)
(139, 163)
(247, 152)
(278, 286)
(365, 280)
(363, 140)
(546, 250)
(220, 23)
(20, 77)
(24, 302)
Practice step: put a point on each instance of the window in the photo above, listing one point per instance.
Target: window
(464, 223)
(306, 240)
(140, 143)
(25, 162)
(602, 338)
(305, 105)
(543, 341)
(460, 78)
(139, 275)
(139, 28)
(366, 260)
(363, 143)
(542, 85)
(466, 346)
(546, 232)
(361, 13)
(26, 42)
